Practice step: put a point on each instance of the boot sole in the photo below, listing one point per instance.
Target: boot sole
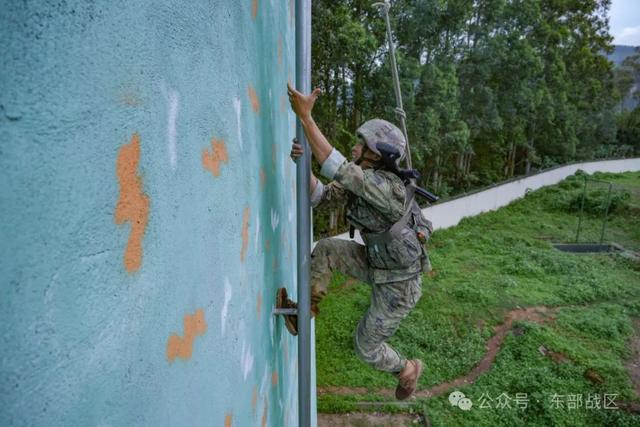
(400, 391)
(281, 302)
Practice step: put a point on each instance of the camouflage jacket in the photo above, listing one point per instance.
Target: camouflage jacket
(374, 201)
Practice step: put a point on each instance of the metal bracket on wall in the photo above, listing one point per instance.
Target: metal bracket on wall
(283, 311)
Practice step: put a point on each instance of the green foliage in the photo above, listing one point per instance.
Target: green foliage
(491, 88)
(483, 268)
(569, 196)
(628, 136)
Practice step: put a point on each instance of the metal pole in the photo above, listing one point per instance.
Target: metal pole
(606, 214)
(396, 79)
(303, 215)
(584, 194)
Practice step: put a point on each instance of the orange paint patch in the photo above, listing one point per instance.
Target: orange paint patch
(182, 347)
(280, 51)
(227, 420)
(211, 160)
(259, 303)
(263, 178)
(274, 378)
(245, 234)
(253, 97)
(254, 399)
(264, 412)
(267, 245)
(133, 204)
(130, 98)
(254, 9)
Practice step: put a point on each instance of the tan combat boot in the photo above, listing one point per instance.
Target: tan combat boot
(408, 379)
(290, 320)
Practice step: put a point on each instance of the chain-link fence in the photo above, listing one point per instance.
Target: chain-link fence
(602, 213)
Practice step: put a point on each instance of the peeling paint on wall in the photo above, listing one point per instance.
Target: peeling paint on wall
(146, 236)
(246, 360)
(275, 220)
(253, 97)
(225, 305)
(265, 412)
(245, 234)
(133, 204)
(257, 235)
(254, 399)
(172, 98)
(254, 8)
(182, 347)
(263, 179)
(211, 160)
(237, 106)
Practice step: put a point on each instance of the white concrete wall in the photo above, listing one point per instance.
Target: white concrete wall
(449, 213)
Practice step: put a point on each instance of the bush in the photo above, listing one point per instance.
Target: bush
(567, 196)
(595, 201)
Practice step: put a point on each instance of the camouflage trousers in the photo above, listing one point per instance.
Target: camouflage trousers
(390, 302)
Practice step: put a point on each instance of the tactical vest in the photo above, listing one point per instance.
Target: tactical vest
(402, 244)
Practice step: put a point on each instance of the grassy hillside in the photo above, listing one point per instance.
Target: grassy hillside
(486, 266)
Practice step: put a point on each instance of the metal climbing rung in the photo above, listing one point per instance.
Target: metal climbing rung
(277, 311)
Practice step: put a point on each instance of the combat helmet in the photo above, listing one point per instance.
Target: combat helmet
(378, 130)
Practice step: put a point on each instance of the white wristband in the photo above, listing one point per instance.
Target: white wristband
(316, 196)
(332, 163)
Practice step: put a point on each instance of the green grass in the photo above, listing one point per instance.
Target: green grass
(486, 266)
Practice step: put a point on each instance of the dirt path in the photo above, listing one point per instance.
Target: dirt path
(538, 314)
(369, 420)
(633, 364)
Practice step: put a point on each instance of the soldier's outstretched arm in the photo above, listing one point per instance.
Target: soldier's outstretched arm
(302, 105)
(352, 177)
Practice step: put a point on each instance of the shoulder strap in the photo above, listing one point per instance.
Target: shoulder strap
(396, 228)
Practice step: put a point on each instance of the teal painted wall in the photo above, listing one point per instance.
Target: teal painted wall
(148, 213)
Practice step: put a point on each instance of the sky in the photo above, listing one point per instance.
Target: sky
(624, 22)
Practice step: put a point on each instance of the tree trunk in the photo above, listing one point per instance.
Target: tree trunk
(510, 160)
(436, 173)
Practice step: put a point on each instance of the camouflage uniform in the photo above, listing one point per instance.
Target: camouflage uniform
(374, 200)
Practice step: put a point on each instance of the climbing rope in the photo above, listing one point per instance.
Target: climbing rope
(401, 115)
